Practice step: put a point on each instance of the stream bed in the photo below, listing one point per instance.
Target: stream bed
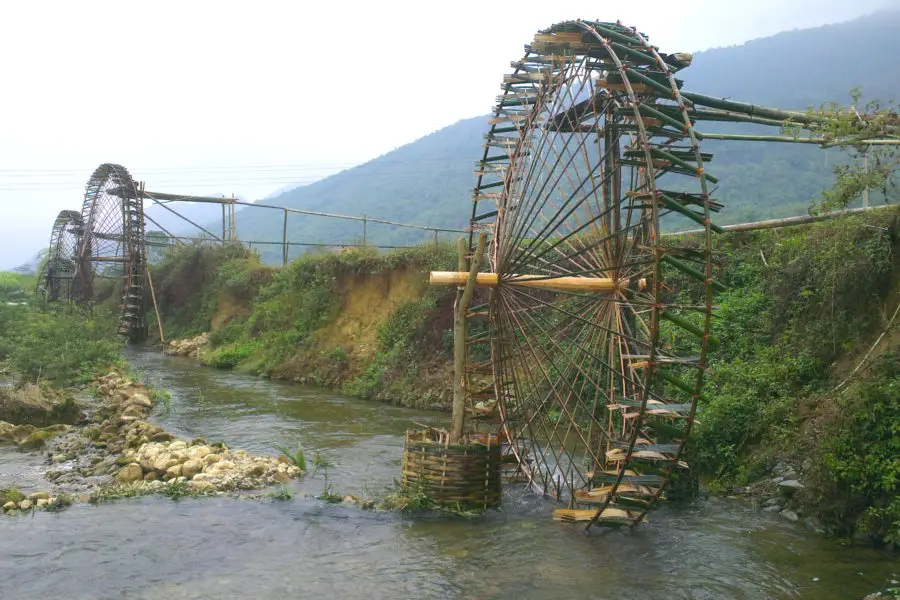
(153, 547)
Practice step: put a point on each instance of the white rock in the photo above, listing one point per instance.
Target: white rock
(25, 505)
(43, 502)
(140, 400)
(791, 484)
(10, 506)
(192, 467)
(790, 515)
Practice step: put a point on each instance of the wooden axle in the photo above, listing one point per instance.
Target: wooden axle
(564, 284)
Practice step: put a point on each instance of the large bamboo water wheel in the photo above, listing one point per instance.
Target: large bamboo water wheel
(598, 326)
(111, 260)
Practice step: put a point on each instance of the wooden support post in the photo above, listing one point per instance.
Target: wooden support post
(224, 234)
(284, 246)
(435, 237)
(365, 222)
(463, 298)
(162, 338)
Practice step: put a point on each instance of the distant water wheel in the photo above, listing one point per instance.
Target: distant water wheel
(111, 260)
(54, 281)
(597, 364)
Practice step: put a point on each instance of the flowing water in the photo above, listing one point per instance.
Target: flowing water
(301, 548)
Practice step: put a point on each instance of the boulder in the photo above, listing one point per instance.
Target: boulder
(36, 406)
(192, 467)
(139, 400)
(200, 485)
(25, 504)
(790, 485)
(39, 496)
(790, 515)
(129, 473)
(43, 502)
(10, 506)
(6, 432)
(163, 436)
(211, 459)
(151, 476)
(173, 472)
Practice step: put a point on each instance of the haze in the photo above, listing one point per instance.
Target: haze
(209, 97)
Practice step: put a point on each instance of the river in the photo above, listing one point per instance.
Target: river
(155, 548)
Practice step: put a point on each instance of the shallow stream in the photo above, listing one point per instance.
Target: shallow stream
(301, 548)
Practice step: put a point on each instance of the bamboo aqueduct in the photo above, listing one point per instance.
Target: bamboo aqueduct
(597, 334)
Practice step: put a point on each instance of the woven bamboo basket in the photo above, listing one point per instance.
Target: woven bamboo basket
(460, 476)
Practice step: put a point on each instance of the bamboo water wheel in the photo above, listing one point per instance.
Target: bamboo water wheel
(54, 280)
(596, 362)
(110, 259)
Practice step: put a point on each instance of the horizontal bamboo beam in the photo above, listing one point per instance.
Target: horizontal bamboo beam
(565, 284)
(787, 221)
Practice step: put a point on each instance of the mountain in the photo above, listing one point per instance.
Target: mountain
(429, 181)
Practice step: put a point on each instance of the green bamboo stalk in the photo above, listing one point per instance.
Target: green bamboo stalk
(679, 208)
(689, 327)
(657, 152)
(695, 273)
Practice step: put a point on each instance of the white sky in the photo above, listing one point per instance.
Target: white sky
(188, 95)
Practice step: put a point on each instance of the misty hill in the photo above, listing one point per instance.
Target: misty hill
(429, 180)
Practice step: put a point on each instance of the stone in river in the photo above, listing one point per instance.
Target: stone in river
(130, 473)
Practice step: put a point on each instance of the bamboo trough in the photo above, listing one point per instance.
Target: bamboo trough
(464, 476)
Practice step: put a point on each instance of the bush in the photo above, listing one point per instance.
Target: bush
(862, 450)
(62, 345)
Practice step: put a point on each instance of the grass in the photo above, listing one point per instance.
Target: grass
(297, 457)
(174, 490)
(11, 495)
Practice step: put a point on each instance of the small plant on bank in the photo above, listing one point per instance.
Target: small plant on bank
(281, 493)
(297, 457)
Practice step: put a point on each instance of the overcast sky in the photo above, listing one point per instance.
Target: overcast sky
(246, 98)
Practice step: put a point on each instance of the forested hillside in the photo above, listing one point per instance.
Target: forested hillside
(428, 181)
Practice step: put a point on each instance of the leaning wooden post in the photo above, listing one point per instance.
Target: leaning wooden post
(162, 338)
(224, 235)
(284, 247)
(461, 307)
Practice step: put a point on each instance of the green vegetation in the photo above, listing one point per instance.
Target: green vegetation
(15, 287)
(59, 344)
(801, 304)
(285, 322)
(224, 273)
(297, 457)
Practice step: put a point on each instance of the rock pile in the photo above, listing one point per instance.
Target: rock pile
(120, 447)
(189, 347)
(204, 466)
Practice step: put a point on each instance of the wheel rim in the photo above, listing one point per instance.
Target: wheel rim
(595, 403)
(111, 251)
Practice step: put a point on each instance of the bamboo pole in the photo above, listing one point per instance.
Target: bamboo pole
(284, 246)
(574, 284)
(458, 417)
(162, 338)
(787, 221)
(223, 221)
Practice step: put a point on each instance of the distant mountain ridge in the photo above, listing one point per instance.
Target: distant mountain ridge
(429, 180)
